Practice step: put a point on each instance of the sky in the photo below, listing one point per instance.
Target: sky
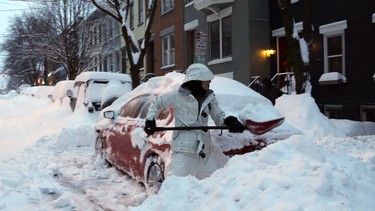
(8, 9)
(315, 163)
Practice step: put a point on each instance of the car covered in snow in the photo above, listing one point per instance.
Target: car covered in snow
(96, 90)
(60, 90)
(122, 141)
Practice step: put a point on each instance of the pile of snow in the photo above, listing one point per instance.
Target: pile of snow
(319, 170)
(305, 115)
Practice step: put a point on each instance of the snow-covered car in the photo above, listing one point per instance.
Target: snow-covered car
(38, 91)
(91, 89)
(122, 141)
(60, 90)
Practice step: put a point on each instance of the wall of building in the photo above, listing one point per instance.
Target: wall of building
(173, 18)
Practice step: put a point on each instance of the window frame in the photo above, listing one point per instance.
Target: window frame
(225, 13)
(141, 12)
(168, 55)
(131, 15)
(330, 31)
(165, 8)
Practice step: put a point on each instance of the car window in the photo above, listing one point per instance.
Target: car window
(163, 114)
(138, 108)
(133, 107)
(146, 106)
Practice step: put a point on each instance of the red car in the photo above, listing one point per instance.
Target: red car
(122, 142)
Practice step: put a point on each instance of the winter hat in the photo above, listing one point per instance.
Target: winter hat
(198, 72)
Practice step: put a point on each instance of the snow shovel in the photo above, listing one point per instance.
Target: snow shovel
(257, 128)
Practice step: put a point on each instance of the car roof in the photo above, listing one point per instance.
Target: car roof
(86, 76)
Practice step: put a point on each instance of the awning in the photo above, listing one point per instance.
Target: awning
(212, 6)
(332, 78)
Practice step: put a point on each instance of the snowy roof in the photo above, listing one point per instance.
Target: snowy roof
(332, 78)
(105, 76)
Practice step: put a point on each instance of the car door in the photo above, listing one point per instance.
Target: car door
(125, 148)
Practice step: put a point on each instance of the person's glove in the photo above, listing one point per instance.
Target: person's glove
(234, 124)
(150, 127)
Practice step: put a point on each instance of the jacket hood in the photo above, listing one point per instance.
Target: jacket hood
(198, 72)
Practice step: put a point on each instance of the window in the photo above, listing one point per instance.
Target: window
(166, 5)
(140, 11)
(188, 1)
(123, 60)
(105, 64)
(334, 46)
(110, 61)
(220, 39)
(168, 50)
(131, 15)
(134, 107)
(109, 27)
(335, 55)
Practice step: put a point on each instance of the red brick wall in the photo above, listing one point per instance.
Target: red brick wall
(162, 22)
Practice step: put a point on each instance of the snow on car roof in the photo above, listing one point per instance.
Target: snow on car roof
(229, 92)
(86, 76)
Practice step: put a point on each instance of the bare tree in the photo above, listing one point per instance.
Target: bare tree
(62, 45)
(298, 41)
(135, 52)
(23, 61)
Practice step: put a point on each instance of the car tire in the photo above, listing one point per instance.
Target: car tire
(99, 151)
(99, 147)
(155, 174)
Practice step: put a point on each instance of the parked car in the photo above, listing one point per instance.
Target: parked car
(89, 88)
(43, 91)
(60, 90)
(122, 142)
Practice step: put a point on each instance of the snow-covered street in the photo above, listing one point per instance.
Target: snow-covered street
(12, 123)
(48, 162)
(49, 166)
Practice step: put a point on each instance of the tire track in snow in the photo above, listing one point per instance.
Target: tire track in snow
(95, 186)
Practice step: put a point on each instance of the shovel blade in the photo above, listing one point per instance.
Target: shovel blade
(259, 128)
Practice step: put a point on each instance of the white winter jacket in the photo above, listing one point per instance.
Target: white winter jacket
(187, 112)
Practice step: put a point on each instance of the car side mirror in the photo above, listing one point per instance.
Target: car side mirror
(109, 114)
(69, 93)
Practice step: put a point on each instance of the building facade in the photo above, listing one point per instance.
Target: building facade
(245, 40)
(229, 36)
(166, 50)
(342, 64)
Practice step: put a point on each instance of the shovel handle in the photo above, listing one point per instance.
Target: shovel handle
(193, 128)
